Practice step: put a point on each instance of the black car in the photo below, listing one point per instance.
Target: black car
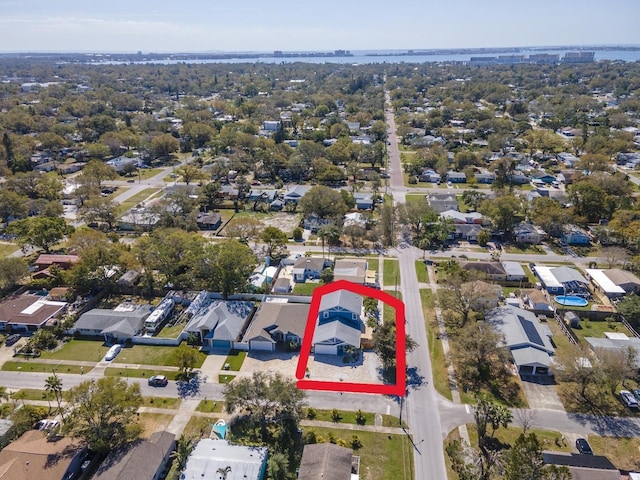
(158, 381)
(12, 339)
(583, 446)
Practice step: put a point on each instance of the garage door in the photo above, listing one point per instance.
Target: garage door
(326, 349)
(263, 346)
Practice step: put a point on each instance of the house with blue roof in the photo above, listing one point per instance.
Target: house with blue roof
(574, 235)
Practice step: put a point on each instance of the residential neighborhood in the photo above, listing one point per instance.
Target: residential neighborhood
(165, 233)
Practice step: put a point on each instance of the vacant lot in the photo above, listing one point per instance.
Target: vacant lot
(79, 350)
(382, 456)
(152, 355)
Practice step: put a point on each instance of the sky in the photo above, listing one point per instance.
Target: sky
(323, 25)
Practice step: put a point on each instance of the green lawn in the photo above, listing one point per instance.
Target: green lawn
(79, 350)
(305, 288)
(422, 272)
(140, 372)
(235, 360)
(350, 417)
(415, 198)
(436, 352)
(373, 264)
(199, 427)
(171, 332)
(589, 328)
(161, 402)
(210, 406)
(35, 394)
(34, 366)
(388, 312)
(142, 174)
(510, 435)
(623, 451)
(524, 249)
(136, 199)
(226, 378)
(391, 274)
(152, 355)
(382, 456)
(7, 249)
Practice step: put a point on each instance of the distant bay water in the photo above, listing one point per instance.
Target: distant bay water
(361, 57)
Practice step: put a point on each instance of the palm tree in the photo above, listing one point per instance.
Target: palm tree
(4, 394)
(223, 472)
(53, 384)
(183, 450)
(330, 233)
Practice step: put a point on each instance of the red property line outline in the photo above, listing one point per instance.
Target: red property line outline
(399, 388)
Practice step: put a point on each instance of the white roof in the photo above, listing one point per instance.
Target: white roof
(246, 463)
(547, 276)
(604, 282)
(513, 268)
(616, 335)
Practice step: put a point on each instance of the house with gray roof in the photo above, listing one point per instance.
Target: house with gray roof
(276, 324)
(514, 271)
(353, 270)
(584, 467)
(524, 335)
(144, 459)
(441, 202)
(339, 323)
(295, 193)
(561, 280)
(615, 342)
(327, 461)
(364, 200)
(116, 325)
(527, 233)
(309, 268)
(219, 323)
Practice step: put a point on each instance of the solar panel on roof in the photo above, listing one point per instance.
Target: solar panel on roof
(531, 332)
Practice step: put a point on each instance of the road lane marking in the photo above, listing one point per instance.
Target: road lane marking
(466, 407)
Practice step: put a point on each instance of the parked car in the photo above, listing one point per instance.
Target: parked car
(113, 352)
(627, 398)
(12, 339)
(583, 447)
(158, 381)
(636, 393)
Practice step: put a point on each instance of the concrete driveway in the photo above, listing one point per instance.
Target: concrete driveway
(541, 393)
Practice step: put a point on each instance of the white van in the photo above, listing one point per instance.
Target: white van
(113, 352)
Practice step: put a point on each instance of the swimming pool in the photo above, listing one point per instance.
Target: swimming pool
(571, 301)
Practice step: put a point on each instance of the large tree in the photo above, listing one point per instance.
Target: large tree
(190, 172)
(103, 413)
(503, 211)
(12, 270)
(225, 266)
(40, 232)
(265, 399)
(482, 358)
(324, 202)
(275, 241)
(384, 344)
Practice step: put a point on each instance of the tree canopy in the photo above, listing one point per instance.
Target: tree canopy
(103, 412)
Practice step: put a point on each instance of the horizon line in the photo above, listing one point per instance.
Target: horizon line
(271, 52)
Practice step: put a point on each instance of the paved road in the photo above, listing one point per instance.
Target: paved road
(211, 391)
(420, 412)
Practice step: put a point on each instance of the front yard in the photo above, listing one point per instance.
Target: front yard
(79, 351)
